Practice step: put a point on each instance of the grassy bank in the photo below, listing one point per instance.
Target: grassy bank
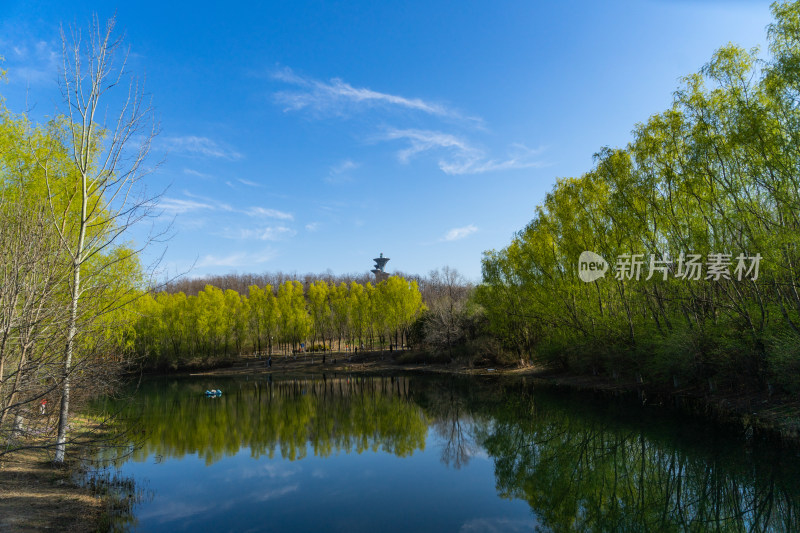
(37, 495)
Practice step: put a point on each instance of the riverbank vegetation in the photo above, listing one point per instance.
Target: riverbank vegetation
(268, 320)
(69, 195)
(75, 495)
(699, 220)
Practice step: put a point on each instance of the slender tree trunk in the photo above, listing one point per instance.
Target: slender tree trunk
(63, 415)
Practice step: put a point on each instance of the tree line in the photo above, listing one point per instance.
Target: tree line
(268, 320)
(704, 203)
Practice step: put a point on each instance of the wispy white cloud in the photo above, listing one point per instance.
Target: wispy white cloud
(457, 153)
(236, 259)
(340, 172)
(197, 202)
(461, 156)
(178, 205)
(261, 233)
(269, 213)
(338, 97)
(344, 166)
(268, 233)
(456, 234)
(229, 183)
(249, 183)
(205, 208)
(215, 204)
(191, 172)
(200, 146)
(32, 63)
(424, 140)
(312, 226)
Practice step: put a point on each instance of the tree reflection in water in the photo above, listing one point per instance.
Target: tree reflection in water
(580, 462)
(328, 415)
(593, 469)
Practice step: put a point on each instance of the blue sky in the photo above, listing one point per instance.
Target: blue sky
(305, 136)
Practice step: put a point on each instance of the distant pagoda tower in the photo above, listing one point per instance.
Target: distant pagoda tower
(380, 274)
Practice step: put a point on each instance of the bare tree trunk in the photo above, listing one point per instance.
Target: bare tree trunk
(63, 415)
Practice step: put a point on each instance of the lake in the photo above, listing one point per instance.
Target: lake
(436, 453)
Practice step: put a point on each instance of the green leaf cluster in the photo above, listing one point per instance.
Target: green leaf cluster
(716, 173)
(267, 320)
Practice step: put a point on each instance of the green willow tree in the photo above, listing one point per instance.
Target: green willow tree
(717, 173)
(319, 308)
(216, 323)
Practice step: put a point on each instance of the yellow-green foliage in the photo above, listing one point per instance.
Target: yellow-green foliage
(718, 172)
(217, 324)
(40, 208)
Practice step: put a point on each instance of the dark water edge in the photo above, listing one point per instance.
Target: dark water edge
(756, 413)
(577, 460)
(752, 414)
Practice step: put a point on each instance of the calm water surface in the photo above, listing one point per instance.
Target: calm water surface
(350, 453)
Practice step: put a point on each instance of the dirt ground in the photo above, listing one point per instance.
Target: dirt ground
(364, 362)
(37, 496)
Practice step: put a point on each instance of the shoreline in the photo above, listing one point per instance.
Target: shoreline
(37, 495)
(756, 414)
